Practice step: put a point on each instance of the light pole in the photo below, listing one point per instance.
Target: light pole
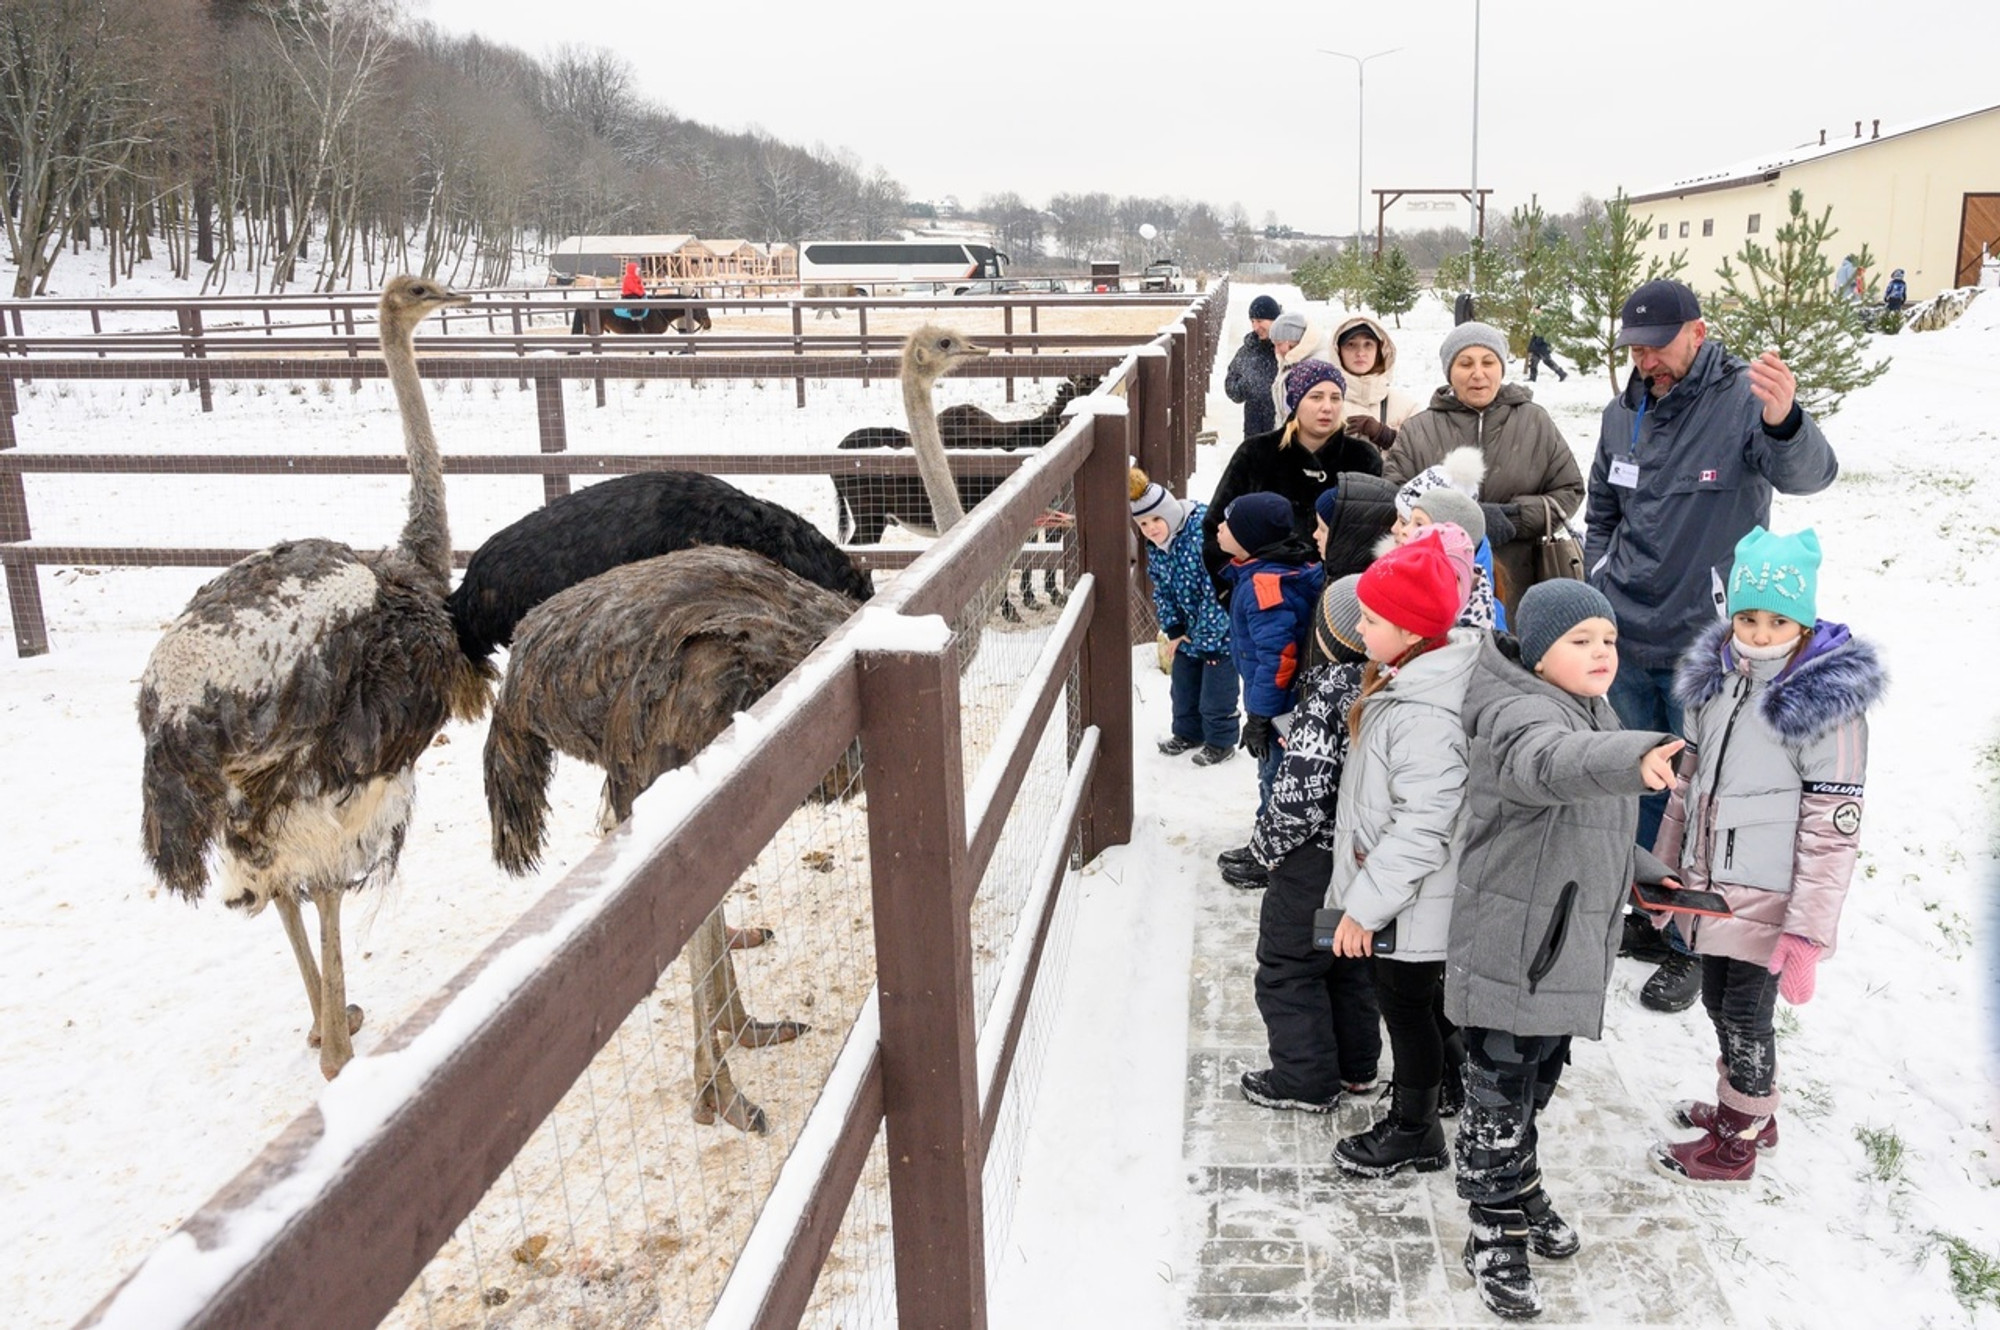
(1472, 259)
(1360, 119)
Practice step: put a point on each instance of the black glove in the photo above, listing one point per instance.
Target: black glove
(1257, 736)
(1500, 522)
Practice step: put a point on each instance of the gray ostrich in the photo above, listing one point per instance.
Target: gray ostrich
(637, 668)
(285, 709)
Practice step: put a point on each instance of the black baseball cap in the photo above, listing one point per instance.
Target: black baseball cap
(1654, 314)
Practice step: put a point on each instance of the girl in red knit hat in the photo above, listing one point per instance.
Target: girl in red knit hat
(1395, 854)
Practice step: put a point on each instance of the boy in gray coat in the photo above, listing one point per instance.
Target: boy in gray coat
(1546, 862)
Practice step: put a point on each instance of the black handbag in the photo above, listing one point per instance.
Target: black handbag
(1557, 553)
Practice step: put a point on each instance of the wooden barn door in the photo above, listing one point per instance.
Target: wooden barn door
(1978, 225)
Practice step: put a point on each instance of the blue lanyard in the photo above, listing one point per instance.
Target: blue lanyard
(1638, 419)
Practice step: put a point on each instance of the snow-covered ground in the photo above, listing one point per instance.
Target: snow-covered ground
(1898, 1048)
(147, 1050)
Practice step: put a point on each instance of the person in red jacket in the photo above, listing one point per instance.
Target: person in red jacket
(632, 285)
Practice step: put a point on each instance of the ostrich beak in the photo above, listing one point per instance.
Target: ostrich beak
(970, 348)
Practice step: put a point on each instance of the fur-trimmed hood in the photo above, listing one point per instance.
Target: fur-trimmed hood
(1837, 678)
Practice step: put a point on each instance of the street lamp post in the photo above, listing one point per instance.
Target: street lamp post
(1472, 259)
(1360, 120)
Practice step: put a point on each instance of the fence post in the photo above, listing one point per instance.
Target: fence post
(190, 321)
(1103, 516)
(1183, 432)
(353, 347)
(1155, 448)
(865, 377)
(24, 589)
(1007, 330)
(923, 965)
(799, 346)
(549, 427)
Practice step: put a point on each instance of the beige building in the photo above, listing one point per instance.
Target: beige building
(1923, 197)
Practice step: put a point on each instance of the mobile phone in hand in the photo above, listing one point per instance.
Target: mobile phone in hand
(1652, 896)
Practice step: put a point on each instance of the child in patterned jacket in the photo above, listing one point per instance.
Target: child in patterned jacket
(1203, 685)
(1768, 814)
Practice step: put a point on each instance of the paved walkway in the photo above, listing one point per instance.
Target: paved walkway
(1291, 1241)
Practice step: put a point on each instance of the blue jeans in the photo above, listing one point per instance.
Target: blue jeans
(1644, 700)
(1204, 698)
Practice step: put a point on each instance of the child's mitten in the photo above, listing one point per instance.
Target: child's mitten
(1794, 962)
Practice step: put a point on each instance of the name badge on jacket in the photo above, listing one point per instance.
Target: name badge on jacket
(1624, 472)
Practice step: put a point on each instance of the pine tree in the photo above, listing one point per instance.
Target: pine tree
(1394, 290)
(1783, 300)
(1315, 277)
(1531, 272)
(1607, 269)
(1353, 276)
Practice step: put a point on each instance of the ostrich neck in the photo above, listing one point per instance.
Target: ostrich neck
(932, 467)
(426, 534)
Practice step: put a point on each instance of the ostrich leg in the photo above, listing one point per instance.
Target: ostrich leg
(743, 1030)
(338, 1021)
(716, 1094)
(295, 930)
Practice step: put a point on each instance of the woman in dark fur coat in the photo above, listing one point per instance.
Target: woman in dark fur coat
(1299, 460)
(1770, 816)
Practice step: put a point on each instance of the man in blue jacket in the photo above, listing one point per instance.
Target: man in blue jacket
(1687, 459)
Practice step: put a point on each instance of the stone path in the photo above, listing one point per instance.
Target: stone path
(1290, 1241)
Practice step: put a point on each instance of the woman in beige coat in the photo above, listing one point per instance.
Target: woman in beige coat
(1368, 358)
(1527, 458)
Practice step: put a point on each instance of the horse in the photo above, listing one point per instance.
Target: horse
(648, 318)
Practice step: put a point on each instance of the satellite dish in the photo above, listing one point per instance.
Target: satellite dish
(1147, 230)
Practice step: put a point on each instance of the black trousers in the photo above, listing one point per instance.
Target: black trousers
(1739, 997)
(1412, 998)
(1319, 1009)
(1509, 1078)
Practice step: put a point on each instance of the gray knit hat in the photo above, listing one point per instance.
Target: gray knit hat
(1550, 609)
(1337, 626)
(1288, 327)
(1464, 335)
(1445, 504)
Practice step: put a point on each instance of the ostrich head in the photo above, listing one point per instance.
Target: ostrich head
(933, 352)
(408, 300)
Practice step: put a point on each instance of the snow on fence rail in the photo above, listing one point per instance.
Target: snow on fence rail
(520, 1151)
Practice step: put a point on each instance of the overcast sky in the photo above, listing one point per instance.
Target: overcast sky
(1051, 96)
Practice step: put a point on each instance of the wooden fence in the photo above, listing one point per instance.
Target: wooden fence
(350, 1223)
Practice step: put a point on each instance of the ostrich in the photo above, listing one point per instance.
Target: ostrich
(636, 670)
(868, 503)
(622, 521)
(285, 709)
(612, 670)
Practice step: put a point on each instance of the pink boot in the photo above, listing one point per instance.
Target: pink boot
(1694, 1113)
(1726, 1155)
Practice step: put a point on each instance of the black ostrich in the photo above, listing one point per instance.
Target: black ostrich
(285, 709)
(868, 503)
(636, 670)
(622, 521)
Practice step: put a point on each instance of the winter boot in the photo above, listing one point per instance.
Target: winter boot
(1210, 754)
(1240, 857)
(1549, 1234)
(1496, 1256)
(1701, 1116)
(1641, 941)
(1410, 1137)
(1173, 745)
(1675, 985)
(1726, 1155)
(1259, 1090)
(1451, 1091)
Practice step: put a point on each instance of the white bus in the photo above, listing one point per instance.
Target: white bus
(868, 267)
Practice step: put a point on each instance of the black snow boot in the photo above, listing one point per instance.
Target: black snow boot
(1410, 1137)
(1675, 985)
(1496, 1256)
(1549, 1234)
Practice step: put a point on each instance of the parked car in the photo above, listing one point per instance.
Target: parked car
(1162, 276)
(1010, 286)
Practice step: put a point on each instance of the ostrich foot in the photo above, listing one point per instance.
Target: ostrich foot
(1058, 596)
(759, 1034)
(1008, 612)
(738, 1112)
(743, 939)
(354, 1017)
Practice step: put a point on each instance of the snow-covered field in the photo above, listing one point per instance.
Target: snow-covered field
(147, 1050)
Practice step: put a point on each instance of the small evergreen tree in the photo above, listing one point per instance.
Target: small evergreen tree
(1608, 268)
(1783, 300)
(1479, 268)
(1530, 272)
(1314, 277)
(1394, 288)
(1353, 276)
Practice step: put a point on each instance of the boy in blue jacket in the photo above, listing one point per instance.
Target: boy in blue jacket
(1275, 579)
(1204, 674)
